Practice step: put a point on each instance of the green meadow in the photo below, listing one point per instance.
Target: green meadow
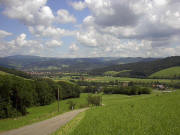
(110, 78)
(41, 113)
(172, 72)
(154, 114)
(3, 73)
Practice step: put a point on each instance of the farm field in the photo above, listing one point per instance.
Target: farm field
(110, 78)
(172, 72)
(40, 113)
(153, 114)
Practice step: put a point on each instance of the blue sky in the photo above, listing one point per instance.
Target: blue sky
(90, 28)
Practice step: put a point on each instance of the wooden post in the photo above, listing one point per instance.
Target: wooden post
(58, 99)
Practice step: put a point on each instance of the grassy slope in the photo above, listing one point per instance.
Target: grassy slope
(167, 73)
(112, 73)
(39, 113)
(3, 73)
(136, 115)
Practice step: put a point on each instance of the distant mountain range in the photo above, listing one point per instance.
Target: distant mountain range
(36, 63)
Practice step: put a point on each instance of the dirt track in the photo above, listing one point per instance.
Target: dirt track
(45, 127)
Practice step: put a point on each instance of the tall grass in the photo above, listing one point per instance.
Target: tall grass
(155, 114)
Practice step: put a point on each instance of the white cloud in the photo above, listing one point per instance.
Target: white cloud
(4, 34)
(21, 45)
(34, 12)
(88, 38)
(54, 43)
(51, 32)
(38, 17)
(113, 27)
(21, 40)
(131, 28)
(74, 47)
(78, 5)
(63, 16)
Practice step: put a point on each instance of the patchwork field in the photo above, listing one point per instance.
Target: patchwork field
(110, 78)
(153, 114)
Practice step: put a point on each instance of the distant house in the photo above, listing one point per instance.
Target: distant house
(81, 78)
(125, 83)
(159, 86)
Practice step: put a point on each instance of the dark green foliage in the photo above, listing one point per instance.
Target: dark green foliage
(44, 93)
(141, 69)
(131, 90)
(91, 89)
(15, 72)
(16, 94)
(94, 100)
(71, 104)
(69, 90)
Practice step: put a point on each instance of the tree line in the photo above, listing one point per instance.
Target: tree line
(17, 94)
(131, 90)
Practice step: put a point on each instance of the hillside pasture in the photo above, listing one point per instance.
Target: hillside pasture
(3, 73)
(157, 113)
(170, 73)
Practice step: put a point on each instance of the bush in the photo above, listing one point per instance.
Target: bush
(69, 90)
(94, 100)
(71, 105)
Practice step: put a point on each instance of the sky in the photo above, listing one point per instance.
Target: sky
(90, 28)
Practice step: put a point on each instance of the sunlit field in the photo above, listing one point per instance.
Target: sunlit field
(157, 113)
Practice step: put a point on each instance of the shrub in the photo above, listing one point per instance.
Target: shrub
(71, 105)
(94, 100)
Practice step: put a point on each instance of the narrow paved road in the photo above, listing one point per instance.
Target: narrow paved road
(45, 127)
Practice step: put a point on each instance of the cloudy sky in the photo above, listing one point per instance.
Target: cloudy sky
(90, 28)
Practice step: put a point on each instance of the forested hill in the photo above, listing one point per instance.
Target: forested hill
(28, 63)
(141, 69)
(15, 72)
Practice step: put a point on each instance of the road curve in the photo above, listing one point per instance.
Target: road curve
(45, 127)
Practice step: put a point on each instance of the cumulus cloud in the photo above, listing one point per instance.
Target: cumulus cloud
(4, 34)
(63, 16)
(79, 5)
(38, 17)
(54, 43)
(51, 31)
(21, 45)
(22, 41)
(34, 12)
(73, 47)
(146, 28)
(132, 28)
